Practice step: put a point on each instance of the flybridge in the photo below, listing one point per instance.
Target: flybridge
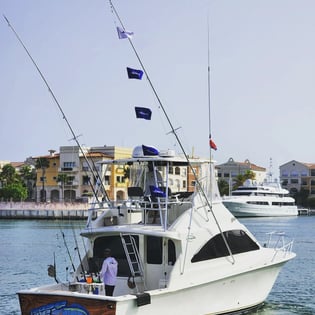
(140, 154)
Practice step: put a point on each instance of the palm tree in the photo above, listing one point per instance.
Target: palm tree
(42, 163)
(28, 176)
(223, 187)
(8, 175)
(241, 178)
(62, 179)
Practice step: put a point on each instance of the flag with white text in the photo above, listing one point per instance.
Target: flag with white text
(143, 112)
(134, 73)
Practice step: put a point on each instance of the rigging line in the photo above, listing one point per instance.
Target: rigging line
(78, 250)
(84, 246)
(56, 101)
(172, 128)
(99, 180)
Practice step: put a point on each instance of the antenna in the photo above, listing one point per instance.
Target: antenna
(270, 171)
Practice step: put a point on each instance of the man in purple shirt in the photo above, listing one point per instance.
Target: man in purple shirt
(109, 272)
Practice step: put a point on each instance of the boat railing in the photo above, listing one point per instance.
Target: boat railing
(159, 210)
(165, 211)
(277, 241)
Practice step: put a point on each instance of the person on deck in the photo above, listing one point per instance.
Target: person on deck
(109, 272)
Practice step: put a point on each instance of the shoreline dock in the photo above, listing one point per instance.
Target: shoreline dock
(43, 210)
(306, 211)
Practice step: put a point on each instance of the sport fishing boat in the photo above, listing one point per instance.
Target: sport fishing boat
(261, 201)
(178, 252)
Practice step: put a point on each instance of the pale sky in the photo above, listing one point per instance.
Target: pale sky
(262, 60)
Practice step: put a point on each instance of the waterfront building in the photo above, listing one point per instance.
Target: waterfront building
(69, 178)
(231, 169)
(296, 176)
(69, 175)
(28, 180)
(2, 163)
(46, 189)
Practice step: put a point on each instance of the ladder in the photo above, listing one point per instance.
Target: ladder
(133, 258)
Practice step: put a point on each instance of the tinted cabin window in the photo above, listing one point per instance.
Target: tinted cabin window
(239, 242)
(154, 250)
(114, 243)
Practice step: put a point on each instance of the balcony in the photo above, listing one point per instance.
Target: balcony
(68, 169)
(121, 185)
(71, 183)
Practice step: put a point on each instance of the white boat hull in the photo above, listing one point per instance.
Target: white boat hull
(185, 263)
(235, 293)
(241, 209)
(231, 294)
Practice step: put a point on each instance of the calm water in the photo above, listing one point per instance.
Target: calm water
(28, 247)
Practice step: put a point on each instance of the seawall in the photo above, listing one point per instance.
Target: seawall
(43, 210)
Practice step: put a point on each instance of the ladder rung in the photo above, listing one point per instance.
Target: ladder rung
(132, 255)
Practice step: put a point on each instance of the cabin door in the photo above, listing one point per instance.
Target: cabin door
(160, 258)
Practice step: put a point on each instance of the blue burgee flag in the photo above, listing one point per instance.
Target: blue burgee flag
(157, 192)
(134, 73)
(143, 112)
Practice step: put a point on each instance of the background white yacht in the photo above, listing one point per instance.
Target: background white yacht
(253, 200)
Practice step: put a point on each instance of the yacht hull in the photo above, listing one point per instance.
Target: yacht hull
(241, 209)
(230, 295)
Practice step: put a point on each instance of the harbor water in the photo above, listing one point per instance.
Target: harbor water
(28, 247)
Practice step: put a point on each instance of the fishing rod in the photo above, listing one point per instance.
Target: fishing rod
(67, 248)
(100, 180)
(78, 250)
(173, 130)
(52, 270)
(75, 138)
(85, 250)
